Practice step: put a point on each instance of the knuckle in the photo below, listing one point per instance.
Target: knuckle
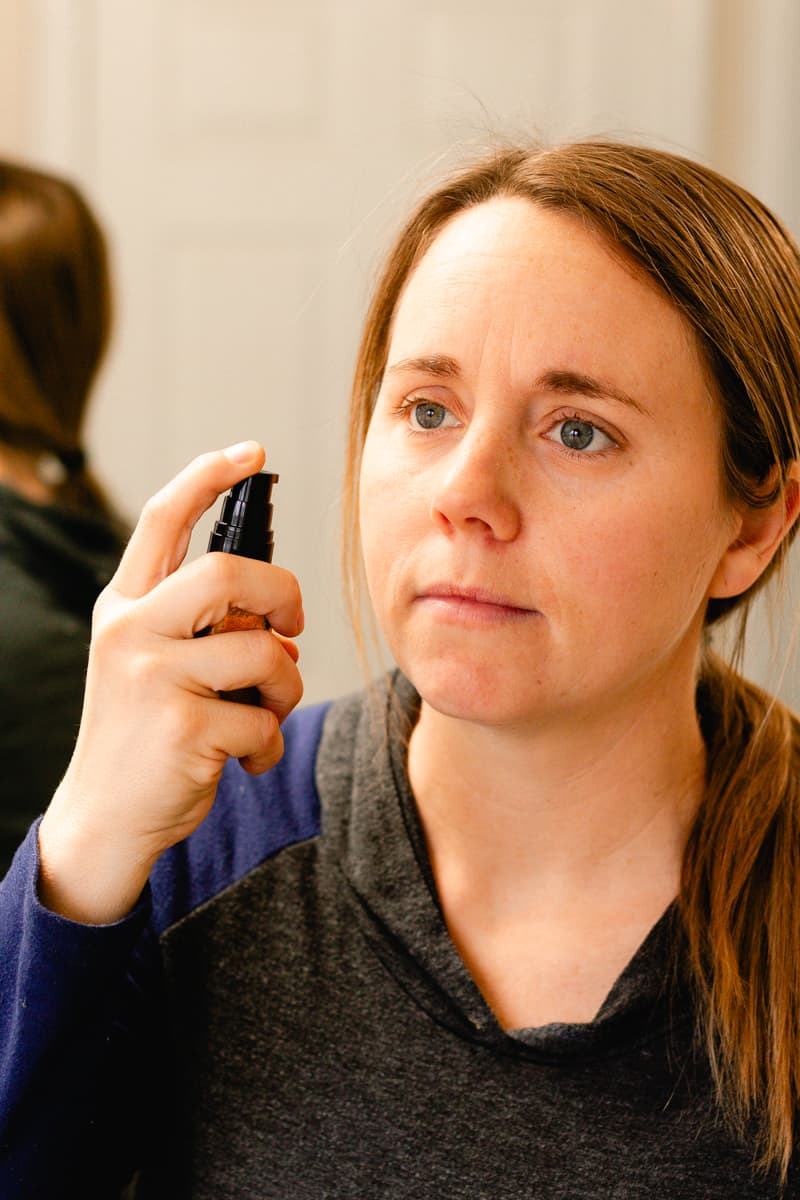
(218, 567)
(295, 594)
(155, 509)
(205, 772)
(110, 628)
(145, 669)
(182, 725)
(296, 688)
(270, 751)
(101, 605)
(202, 462)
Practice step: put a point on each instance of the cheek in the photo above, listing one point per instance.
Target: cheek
(373, 550)
(371, 498)
(385, 502)
(635, 563)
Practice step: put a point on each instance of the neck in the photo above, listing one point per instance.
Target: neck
(600, 805)
(18, 472)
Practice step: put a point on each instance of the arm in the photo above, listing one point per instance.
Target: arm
(79, 1042)
(155, 734)
(80, 991)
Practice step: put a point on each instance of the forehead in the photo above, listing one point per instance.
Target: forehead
(514, 239)
(513, 280)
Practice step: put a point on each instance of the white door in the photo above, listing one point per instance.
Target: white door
(249, 157)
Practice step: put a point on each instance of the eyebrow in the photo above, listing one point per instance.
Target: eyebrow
(441, 365)
(577, 383)
(573, 383)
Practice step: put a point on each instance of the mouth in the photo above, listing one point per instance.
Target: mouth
(467, 605)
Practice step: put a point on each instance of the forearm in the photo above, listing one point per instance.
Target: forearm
(76, 1027)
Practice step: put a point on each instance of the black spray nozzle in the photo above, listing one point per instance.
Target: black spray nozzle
(245, 524)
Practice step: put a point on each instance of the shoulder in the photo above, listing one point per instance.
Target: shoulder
(254, 817)
(42, 644)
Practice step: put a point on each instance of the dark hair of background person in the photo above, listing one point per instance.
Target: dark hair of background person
(733, 271)
(60, 539)
(55, 322)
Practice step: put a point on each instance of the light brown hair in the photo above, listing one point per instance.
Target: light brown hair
(733, 271)
(55, 322)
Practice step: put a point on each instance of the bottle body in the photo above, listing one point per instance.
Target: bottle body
(244, 527)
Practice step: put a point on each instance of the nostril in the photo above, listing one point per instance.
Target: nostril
(477, 509)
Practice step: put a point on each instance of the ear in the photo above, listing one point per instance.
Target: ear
(760, 532)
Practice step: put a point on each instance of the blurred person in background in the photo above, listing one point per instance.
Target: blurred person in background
(59, 538)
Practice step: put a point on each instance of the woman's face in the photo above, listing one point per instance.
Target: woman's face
(542, 510)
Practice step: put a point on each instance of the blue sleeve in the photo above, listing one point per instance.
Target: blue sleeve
(254, 817)
(68, 994)
(84, 1047)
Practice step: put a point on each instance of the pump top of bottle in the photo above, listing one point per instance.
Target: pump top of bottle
(245, 524)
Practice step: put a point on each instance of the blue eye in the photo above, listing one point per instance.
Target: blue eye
(427, 414)
(577, 434)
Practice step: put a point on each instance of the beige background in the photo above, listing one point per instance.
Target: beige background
(250, 158)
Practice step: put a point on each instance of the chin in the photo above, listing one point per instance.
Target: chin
(466, 692)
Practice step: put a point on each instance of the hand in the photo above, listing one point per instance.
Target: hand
(155, 734)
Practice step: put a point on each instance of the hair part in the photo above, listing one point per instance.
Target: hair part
(733, 271)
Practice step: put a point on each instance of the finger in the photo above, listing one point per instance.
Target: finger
(159, 542)
(200, 594)
(252, 735)
(256, 764)
(228, 662)
(240, 731)
(291, 648)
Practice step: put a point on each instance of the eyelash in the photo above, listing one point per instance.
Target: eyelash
(409, 403)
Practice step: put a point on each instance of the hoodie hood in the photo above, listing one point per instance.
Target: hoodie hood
(382, 853)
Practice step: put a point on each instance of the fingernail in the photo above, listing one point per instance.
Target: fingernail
(242, 452)
(301, 621)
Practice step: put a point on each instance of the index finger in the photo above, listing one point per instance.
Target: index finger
(160, 540)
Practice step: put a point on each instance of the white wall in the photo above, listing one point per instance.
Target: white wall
(250, 158)
(15, 56)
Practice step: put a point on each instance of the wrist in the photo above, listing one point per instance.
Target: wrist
(86, 876)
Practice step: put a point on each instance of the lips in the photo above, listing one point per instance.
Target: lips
(472, 601)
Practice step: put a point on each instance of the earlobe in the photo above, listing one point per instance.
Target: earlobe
(761, 532)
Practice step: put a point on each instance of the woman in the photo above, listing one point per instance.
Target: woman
(60, 541)
(520, 921)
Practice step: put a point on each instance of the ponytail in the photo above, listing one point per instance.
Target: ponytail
(76, 487)
(740, 902)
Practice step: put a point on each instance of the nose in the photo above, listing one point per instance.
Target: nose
(476, 491)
